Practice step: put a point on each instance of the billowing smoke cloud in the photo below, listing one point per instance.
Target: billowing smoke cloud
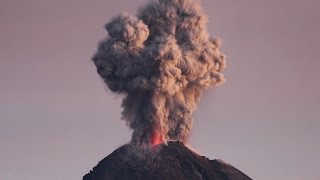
(161, 60)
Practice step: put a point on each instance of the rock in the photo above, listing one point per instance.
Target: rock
(162, 162)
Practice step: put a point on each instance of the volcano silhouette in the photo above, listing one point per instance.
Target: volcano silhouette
(161, 162)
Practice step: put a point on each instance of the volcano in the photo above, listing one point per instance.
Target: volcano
(161, 162)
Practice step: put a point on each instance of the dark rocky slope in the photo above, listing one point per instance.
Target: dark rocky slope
(163, 162)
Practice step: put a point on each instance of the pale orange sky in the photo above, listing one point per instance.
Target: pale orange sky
(57, 120)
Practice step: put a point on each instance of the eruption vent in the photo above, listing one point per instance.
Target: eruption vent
(161, 60)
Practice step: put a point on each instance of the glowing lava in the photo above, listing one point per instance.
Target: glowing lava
(156, 138)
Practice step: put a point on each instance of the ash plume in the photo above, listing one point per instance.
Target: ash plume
(161, 60)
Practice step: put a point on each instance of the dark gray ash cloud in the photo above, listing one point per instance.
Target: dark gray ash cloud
(161, 60)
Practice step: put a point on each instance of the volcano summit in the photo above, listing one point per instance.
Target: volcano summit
(162, 162)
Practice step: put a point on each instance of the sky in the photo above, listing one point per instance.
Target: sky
(58, 120)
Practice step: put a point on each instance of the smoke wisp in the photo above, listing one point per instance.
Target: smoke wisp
(161, 60)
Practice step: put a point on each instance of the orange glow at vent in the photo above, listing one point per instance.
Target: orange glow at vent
(156, 138)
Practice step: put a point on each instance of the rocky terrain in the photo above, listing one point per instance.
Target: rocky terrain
(161, 162)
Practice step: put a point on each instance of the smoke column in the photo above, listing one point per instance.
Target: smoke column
(161, 60)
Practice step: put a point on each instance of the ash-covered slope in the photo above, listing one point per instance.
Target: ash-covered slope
(173, 161)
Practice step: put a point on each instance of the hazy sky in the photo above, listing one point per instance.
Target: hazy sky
(57, 120)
